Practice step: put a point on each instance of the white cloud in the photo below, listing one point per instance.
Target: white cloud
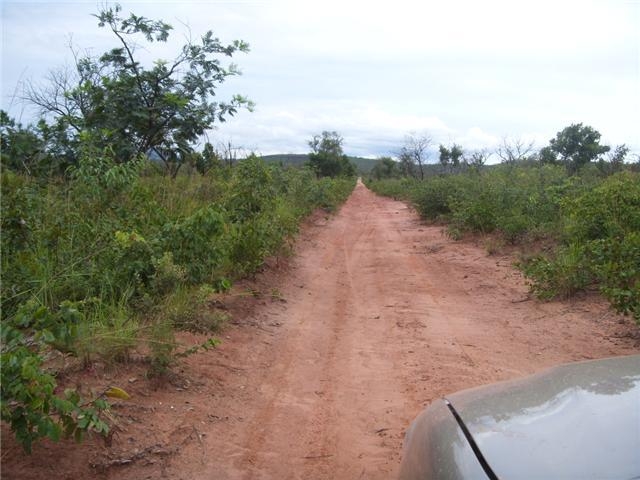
(476, 138)
(464, 71)
(368, 129)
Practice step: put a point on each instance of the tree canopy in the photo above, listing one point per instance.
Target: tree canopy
(327, 158)
(118, 102)
(576, 145)
(385, 167)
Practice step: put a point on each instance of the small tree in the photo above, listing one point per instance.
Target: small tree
(407, 165)
(445, 156)
(327, 158)
(134, 109)
(450, 156)
(21, 148)
(512, 151)
(547, 156)
(616, 158)
(385, 167)
(614, 161)
(207, 160)
(577, 145)
(477, 159)
(416, 150)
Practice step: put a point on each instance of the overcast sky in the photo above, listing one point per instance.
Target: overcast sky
(465, 71)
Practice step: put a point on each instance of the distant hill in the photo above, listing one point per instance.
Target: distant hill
(363, 165)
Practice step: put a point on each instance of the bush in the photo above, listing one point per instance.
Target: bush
(433, 200)
(564, 275)
(610, 210)
(594, 222)
(616, 265)
(86, 263)
(28, 402)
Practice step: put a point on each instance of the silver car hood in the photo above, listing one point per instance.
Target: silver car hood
(577, 421)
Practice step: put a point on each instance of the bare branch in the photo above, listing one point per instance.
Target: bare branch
(514, 150)
(416, 150)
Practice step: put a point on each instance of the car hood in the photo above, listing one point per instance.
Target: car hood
(572, 422)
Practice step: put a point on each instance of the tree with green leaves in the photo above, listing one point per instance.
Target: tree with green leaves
(576, 145)
(327, 158)
(385, 167)
(206, 160)
(450, 156)
(20, 147)
(115, 101)
(547, 156)
(614, 160)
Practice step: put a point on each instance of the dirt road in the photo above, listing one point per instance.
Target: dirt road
(378, 315)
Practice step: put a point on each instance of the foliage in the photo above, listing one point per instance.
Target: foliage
(135, 109)
(561, 276)
(615, 263)
(115, 256)
(415, 152)
(20, 147)
(327, 158)
(385, 167)
(28, 401)
(592, 220)
(203, 162)
(576, 146)
(614, 162)
(450, 157)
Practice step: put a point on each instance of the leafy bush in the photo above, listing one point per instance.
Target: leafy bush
(593, 220)
(610, 210)
(616, 265)
(28, 401)
(195, 242)
(562, 276)
(109, 258)
(433, 200)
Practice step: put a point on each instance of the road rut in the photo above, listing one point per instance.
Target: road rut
(383, 315)
(377, 316)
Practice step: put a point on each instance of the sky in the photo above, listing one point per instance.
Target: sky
(470, 72)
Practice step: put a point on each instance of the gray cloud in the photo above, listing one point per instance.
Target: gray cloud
(469, 72)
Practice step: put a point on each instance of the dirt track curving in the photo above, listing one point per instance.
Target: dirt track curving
(377, 316)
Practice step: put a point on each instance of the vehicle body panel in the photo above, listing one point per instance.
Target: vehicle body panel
(435, 447)
(574, 421)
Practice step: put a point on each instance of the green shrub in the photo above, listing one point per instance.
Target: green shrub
(432, 201)
(593, 220)
(610, 210)
(116, 255)
(28, 402)
(616, 265)
(564, 275)
(196, 242)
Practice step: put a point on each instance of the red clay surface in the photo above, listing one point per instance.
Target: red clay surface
(376, 316)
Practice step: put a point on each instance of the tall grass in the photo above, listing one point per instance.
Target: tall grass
(115, 257)
(122, 246)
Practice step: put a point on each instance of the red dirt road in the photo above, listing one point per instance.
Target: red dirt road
(379, 314)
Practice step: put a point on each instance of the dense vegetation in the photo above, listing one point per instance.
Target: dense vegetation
(363, 165)
(112, 258)
(578, 222)
(117, 227)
